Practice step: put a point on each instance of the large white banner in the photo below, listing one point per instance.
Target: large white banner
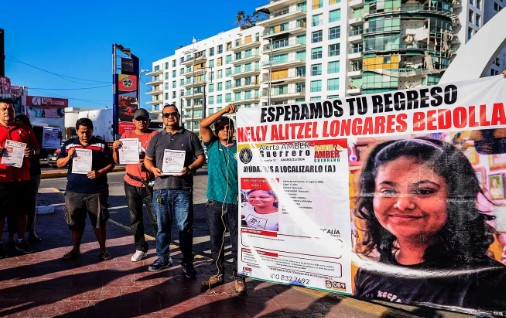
(322, 184)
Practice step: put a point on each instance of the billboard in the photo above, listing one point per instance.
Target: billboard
(396, 196)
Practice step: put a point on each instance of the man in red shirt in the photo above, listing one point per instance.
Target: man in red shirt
(15, 181)
(137, 188)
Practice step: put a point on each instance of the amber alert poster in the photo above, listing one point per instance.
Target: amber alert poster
(397, 196)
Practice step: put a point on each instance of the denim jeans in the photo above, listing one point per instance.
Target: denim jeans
(136, 197)
(217, 226)
(176, 204)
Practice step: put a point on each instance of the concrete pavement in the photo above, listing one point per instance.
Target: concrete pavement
(42, 285)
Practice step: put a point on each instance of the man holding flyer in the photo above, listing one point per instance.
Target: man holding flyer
(130, 150)
(89, 160)
(17, 145)
(173, 155)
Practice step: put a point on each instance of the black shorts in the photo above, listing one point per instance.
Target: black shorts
(13, 198)
(78, 205)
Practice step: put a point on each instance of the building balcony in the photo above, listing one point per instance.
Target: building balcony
(353, 91)
(276, 5)
(290, 47)
(245, 87)
(252, 58)
(155, 92)
(155, 82)
(355, 55)
(246, 73)
(282, 18)
(355, 20)
(287, 80)
(283, 64)
(245, 46)
(290, 94)
(354, 4)
(252, 99)
(194, 72)
(201, 58)
(154, 102)
(355, 74)
(154, 73)
(355, 38)
(299, 29)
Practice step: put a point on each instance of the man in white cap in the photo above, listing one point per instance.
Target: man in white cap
(138, 182)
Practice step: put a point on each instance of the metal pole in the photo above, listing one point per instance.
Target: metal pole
(114, 94)
(270, 73)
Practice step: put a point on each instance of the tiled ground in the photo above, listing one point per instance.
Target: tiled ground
(42, 285)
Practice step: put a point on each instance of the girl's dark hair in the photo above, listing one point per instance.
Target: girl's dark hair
(465, 237)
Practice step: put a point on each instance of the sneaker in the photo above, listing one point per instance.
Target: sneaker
(189, 271)
(33, 238)
(212, 282)
(240, 287)
(23, 246)
(159, 264)
(138, 256)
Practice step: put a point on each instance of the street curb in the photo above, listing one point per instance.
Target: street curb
(63, 172)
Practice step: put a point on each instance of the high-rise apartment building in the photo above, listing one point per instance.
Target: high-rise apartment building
(312, 50)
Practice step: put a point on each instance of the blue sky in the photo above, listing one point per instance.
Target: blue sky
(62, 48)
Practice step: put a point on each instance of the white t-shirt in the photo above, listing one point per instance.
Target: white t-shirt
(256, 220)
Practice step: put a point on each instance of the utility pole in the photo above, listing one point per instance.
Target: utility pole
(2, 53)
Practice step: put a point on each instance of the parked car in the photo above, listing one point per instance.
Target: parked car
(51, 158)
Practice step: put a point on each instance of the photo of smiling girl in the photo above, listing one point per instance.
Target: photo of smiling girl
(261, 210)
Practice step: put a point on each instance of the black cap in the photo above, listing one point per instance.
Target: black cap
(141, 112)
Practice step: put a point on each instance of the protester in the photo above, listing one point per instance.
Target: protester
(222, 193)
(87, 191)
(173, 194)
(138, 187)
(15, 181)
(261, 211)
(34, 186)
(418, 216)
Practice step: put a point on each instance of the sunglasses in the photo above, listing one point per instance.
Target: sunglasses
(173, 114)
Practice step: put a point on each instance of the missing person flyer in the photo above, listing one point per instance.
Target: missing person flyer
(285, 235)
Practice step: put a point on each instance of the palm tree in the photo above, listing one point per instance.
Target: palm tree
(239, 17)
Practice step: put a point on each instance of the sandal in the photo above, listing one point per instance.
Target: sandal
(71, 256)
(104, 256)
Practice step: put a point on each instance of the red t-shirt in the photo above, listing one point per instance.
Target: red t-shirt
(19, 133)
(134, 169)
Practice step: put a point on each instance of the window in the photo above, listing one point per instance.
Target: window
(316, 86)
(470, 16)
(228, 97)
(478, 4)
(333, 84)
(334, 33)
(173, 84)
(219, 87)
(478, 20)
(166, 65)
(334, 49)
(316, 36)
(173, 63)
(317, 20)
(211, 88)
(219, 99)
(316, 69)
(174, 94)
(228, 84)
(166, 86)
(333, 67)
(301, 71)
(238, 82)
(166, 96)
(317, 4)
(335, 15)
(237, 96)
(219, 74)
(316, 53)
(228, 71)
(211, 100)
(167, 76)
(228, 59)
(174, 73)
(220, 49)
(211, 51)
(300, 87)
